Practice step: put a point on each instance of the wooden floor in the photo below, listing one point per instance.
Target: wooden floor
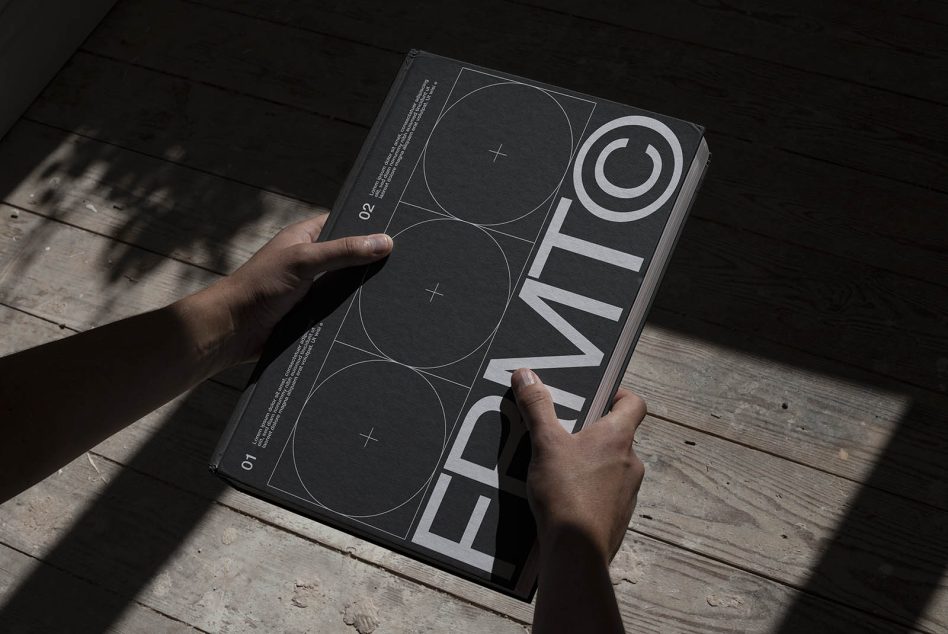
(795, 363)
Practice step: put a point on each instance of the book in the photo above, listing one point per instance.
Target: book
(531, 228)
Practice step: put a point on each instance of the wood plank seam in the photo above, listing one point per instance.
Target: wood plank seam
(667, 419)
(807, 351)
(223, 88)
(867, 265)
(727, 134)
(309, 202)
(92, 582)
(921, 185)
(114, 239)
(631, 529)
(800, 588)
(235, 509)
(717, 49)
(40, 317)
(768, 452)
(307, 538)
(297, 27)
(356, 124)
(164, 159)
(761, 336)
(639, 531)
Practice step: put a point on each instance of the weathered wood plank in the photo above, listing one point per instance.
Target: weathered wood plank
(217, 131)
(147, 445)
(812, 297)
(208, 565)
(778, 194)
(880, 45)
(820, 116)
(139, 200)
(74, 601)
(746, 526)
(87, 183)
(843, 422)
(886, 224)
(223, 568)
(67, 276)
(796, 200)
(734, 504)
(72, 277)
(701, 596)
(770, 192)
(815, 302)
(22, 331)
(757, 511)
(323, 74)
(934, 558)
(712, 497)
(877, 222)
(762, 513)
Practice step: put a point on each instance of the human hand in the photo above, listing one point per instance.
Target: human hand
(584, 483)
(250, 301)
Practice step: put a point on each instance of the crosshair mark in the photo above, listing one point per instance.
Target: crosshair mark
(497, 152)
(434, 291)
(368, 437)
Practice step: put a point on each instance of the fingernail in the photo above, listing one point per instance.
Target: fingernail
(523, 377)
(379, 243)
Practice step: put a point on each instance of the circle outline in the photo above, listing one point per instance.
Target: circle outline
(492, 331)
(444, 418)
(424, 153)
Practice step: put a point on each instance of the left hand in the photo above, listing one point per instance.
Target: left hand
(583, 484)
(257, 295)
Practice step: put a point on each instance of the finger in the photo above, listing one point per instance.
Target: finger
(628, 411)
(306, 230)
(313, 226)
(621, 393)
(311, 259)
(535, 404)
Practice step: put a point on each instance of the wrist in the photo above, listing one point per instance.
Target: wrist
(569, 540)
(210, 329)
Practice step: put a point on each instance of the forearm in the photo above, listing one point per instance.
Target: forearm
(61, 399)
(575, 592)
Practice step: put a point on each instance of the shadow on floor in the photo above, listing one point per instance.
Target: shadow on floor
(814, 305)
(131, 530)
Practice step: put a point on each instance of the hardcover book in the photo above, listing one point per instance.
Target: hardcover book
(531, 225)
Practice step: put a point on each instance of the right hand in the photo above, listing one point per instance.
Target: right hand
(585, 482)
(256, 296)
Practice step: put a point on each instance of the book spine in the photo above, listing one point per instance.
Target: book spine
(627, 353)
(232, 423)
(327, 232)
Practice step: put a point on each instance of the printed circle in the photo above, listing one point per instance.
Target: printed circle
(490, 137)
(430, 303)
(369, 438)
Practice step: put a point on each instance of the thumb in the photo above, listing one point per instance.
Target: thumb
(536, 406)
(311, 259)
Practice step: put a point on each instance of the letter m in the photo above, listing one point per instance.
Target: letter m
(539, 296)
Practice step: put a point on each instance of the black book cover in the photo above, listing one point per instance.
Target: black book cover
(526, 219)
